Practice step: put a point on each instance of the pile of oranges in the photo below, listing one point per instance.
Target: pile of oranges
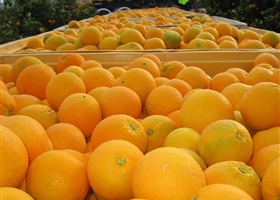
(151, 29)
(147, 130)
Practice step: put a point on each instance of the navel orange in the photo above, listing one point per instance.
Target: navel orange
(111, 164)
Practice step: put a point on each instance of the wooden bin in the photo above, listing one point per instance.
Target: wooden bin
(212, 62)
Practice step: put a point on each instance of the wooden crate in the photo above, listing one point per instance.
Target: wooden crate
(212, 62)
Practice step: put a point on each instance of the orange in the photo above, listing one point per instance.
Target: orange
(197, 158)
(128, 102)
(263, 158)
(120, 127)
(70, 40)
(183, 25)
(68, 59)
(139, 80)
(154, 32)
(238, 118)
(146, 64)
(184, 46)
(61, 86)
(260, 94)
(6, 73)
(226, 38)
(161, 80)
(31, 132)
(220, 191)
(23, 100)
(88, 48)
(194, 76)
(7, 86)
(182, 86)
(222, 80)
(75, 70)
(171, 39)
(35, 42)
(265, 65)
(267, 58)
(249, 34)
(13, 90)
(271, 38)
(129, 24)
(226, 172)
(251, 44)
(108, 33)
(213, 31)
(14, 193)
(21, 63)
(91, 35)
(223, 140)
(131, 46)
(183, 137)
(90, 64)
(238, 72)
(109, 43)
(55, 41)
(96, 77)
(117, 71)
(270, 181)
(206, 36)
(73, 24)
(210, 104)
(81, 110)
(234, 93)
(131, 35)
(96, 92)
(206, 44)
(3, 86)
(227, 44)
(66, 47)
(177, 29)
(223, 28)
(192, 44)
(14, 159)
(258, 74)
(111, 164)
(71, 32)
(77, 154)
(163, 100)
(235, 32)
(175, 117)
(47, 35)
(66, 136)
(49, 174)
(34, 79)
(265, 138)
(167, 178)
(79, 44)
(8, 104)
(141, 28)
(41, 113)
(171, 68)
(153, 43)
(190, 33)
(157, 129)
(153, 57)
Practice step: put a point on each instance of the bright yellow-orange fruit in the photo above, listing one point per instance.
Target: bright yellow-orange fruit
(14, 159)
(167, 178)
(111, 164)
(210, 104)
